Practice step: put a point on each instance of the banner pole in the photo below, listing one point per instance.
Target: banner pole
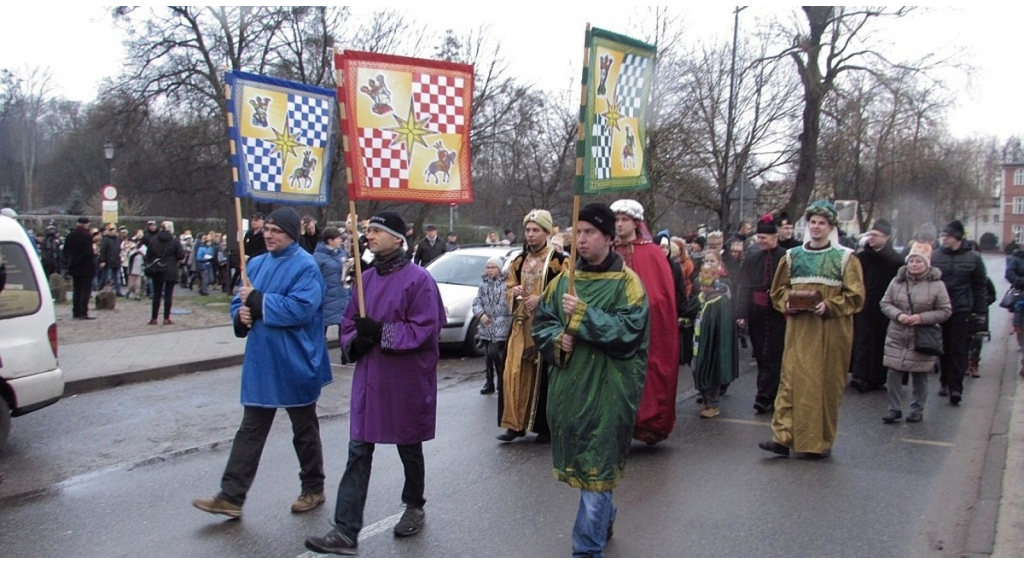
(240, 235)
(572, 250)
(357, 256)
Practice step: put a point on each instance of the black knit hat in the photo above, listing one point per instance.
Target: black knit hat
(767, 225)
(390, 222)
(882, 225)
(954, 229)
(600, 216)
(287, 219)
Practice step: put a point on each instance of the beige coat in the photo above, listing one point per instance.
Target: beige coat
(931, 301)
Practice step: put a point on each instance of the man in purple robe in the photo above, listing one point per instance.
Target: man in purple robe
(394, 388)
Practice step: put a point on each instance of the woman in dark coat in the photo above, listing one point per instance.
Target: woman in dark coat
(164, 246)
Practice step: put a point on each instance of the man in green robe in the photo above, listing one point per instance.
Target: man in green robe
(819, 339)
(595, 341)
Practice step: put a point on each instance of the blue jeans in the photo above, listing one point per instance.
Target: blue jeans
(348, 509)
(593, 519)
(111, 274)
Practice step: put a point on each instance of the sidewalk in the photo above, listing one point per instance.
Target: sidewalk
(97, 365)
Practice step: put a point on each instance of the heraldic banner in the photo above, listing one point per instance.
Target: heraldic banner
(405, 124)
(280, 136)
(617, 77)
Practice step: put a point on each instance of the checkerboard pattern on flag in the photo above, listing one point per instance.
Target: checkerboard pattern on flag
(281, 137)
(601, 148)
(412, 146)
(441, 98)
(610, 156)
(385, 162)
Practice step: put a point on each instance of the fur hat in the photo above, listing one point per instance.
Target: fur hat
(287, 219)
(955, 229)
(766, 225)
(632, 208)
(389, 222)
(882, 226)
(600, 216)
(541, 218)
(923, 250)
(823, 208)
(715, 238)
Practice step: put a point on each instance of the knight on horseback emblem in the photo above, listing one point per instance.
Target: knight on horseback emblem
(302, 177)
(442, 166)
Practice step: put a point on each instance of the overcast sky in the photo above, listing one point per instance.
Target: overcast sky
(80, 46)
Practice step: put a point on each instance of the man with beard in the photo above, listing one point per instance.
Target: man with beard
(755, 314)
(657, 414)
(880, 263)
(522, 398)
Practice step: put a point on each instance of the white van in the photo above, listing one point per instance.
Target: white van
(29, 375)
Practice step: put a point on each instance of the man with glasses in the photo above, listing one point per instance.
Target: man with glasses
(285, 365)
(880, 263)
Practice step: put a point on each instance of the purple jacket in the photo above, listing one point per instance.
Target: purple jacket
(394, 388)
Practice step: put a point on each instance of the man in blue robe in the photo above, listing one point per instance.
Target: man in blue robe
(285, 365)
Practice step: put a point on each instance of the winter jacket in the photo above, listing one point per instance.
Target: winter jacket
(1015, 269)
(79, 253)
(110, 251)
(166, 247)
(963, 273)
(490, 299)
(332, 264)
(930, 300)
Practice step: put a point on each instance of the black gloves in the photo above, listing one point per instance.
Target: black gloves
(367, 327)
(255, 303)
(359, 347)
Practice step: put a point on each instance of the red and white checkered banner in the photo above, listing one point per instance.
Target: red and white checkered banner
(405, 124)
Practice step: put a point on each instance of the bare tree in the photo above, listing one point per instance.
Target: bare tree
(834, 41)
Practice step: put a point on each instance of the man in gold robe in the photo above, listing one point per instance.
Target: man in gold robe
(819, 336)
(522, 398)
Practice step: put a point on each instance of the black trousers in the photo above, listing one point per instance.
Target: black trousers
(81, 293)
(355, 482)
(767, 329)
(252, 437)
(956, 341)
(165, 289)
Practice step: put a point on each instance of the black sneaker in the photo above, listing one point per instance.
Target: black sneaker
(510, 435)
(332, 543)
(954, 398)
(411, 522)
(943, 391)
(772, 446)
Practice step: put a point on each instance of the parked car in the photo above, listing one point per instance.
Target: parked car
(458, 274)
(30, 378)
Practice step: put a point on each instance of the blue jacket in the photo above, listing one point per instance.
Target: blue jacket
(286, 360)
(332, 264)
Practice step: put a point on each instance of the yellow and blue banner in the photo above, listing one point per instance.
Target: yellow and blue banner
(281, 134)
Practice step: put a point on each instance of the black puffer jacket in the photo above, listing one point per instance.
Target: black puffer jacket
(963, 273)
(1015, 269)
(164, 245)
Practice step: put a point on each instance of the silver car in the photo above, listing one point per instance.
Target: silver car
(458, 275)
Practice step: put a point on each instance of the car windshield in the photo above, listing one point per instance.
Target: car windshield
(457, 268)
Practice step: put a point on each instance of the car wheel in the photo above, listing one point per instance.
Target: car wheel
(5, 422)
(473, 345)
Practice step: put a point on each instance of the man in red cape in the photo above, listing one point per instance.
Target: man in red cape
(657, 414)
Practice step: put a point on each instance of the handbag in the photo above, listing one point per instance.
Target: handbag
(153, 268)
(927, 338)
(1010, 298)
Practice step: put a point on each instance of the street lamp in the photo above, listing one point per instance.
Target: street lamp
(108, 155)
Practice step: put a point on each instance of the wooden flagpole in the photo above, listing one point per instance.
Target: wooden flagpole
(240, 235)
(580, 140)
(357, 255)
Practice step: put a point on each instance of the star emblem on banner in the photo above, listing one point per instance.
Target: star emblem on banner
(285, 143)
(613, 115)
(410, 130)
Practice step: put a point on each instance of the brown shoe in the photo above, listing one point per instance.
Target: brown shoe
(710, 412)
(218, 506)
(308, 502)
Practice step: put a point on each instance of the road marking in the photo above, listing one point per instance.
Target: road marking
(367, 532)
(924, 442)
(747, 422)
